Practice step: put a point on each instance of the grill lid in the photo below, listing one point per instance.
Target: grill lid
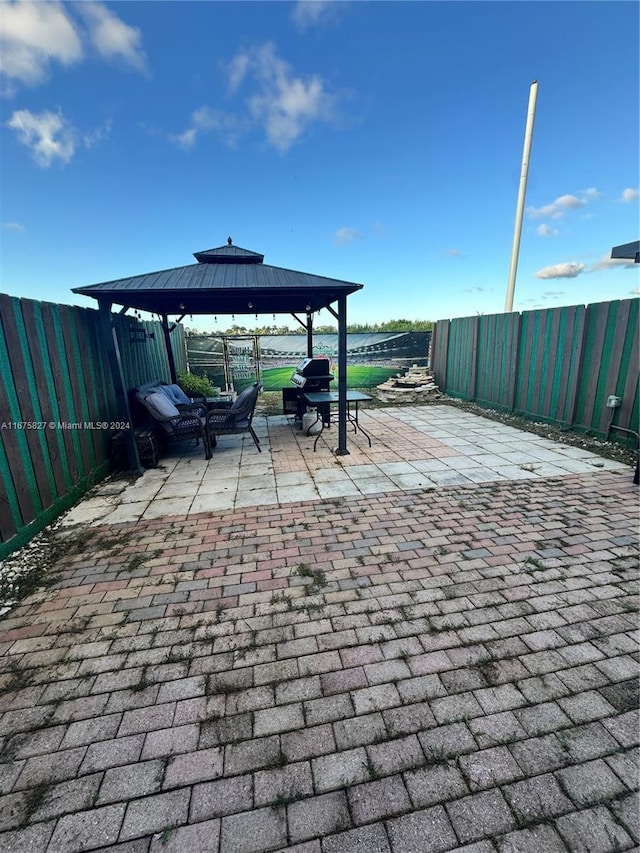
(318, 365)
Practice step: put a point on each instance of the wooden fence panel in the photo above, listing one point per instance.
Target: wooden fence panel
(439, 351)
(19, 494)
(562, 406)
(146, 360)
(548, 358)
(462, 357)
(610, 366)
(557, 365)
(45, 394)
(53, 371)
(497, 359)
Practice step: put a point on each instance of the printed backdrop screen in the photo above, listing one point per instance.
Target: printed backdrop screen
(235, 362)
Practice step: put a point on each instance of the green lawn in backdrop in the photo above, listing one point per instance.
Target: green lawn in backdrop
(275, 378)
(358, 376)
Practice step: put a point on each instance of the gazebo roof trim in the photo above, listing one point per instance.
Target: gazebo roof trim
(228, 254)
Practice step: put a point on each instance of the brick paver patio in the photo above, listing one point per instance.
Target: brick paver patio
(425, 667)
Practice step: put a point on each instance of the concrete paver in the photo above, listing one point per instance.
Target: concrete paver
(420, 668)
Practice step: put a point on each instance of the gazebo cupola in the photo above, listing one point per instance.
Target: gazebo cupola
(228, 254)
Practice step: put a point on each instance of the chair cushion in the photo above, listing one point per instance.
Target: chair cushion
(161, 404)
(175, 394)
(149, 386)
(242, 398)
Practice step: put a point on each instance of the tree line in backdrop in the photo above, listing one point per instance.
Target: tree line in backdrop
(352, 328)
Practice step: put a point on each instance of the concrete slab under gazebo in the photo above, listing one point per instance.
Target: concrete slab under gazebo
(225, 280)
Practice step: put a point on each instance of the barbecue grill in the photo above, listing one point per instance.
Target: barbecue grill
(312, 374)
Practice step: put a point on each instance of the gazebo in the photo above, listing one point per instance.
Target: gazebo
(225, 280)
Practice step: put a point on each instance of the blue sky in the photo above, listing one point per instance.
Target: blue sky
(378, 142)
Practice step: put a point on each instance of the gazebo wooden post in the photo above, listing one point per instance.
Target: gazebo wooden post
(309, 335)
(167, 343)
(342, 377)
(123, 413)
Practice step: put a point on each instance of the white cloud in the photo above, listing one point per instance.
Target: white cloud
(635, 291)
(285, 105)
(35, 36)
(237, 70)
(112, 38)
(205, 120)
(574, 268)
(629, 195)
(47, 135)
(308, 13)
(567, 270)
(32, 36)
(13, 226)
(93, 137)
(558, 208)
(282, 104)
(50, 136)
(345, 235)
(545, 231)
(455, 253)
(609, 263)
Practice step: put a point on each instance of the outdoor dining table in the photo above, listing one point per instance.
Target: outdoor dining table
(324, 400)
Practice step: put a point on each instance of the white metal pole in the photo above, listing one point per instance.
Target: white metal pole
(524, 172)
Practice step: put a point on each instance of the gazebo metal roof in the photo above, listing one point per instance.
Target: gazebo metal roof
(226, 280)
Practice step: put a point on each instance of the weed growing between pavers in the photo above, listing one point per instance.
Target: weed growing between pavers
(20, 677)
(537, 565)
(165, 836)
(318, 577)
(15, 589)
(35, 798)
(143, 683)
(9, 750)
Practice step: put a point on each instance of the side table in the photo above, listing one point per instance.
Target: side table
(148, 445)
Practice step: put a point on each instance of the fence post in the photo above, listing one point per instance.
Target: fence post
(516, 336)
(573, 400)
(166, 331)
(474, 354)
(110, 342)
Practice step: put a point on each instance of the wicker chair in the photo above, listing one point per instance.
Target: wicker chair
(235, 420)
(173, 423)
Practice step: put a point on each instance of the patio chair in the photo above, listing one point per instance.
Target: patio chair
(176, 424)
(235, 420)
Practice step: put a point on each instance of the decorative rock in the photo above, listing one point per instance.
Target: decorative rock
(416, 386)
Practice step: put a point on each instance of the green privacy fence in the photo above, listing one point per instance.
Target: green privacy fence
(56, 393)
(557, 365)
